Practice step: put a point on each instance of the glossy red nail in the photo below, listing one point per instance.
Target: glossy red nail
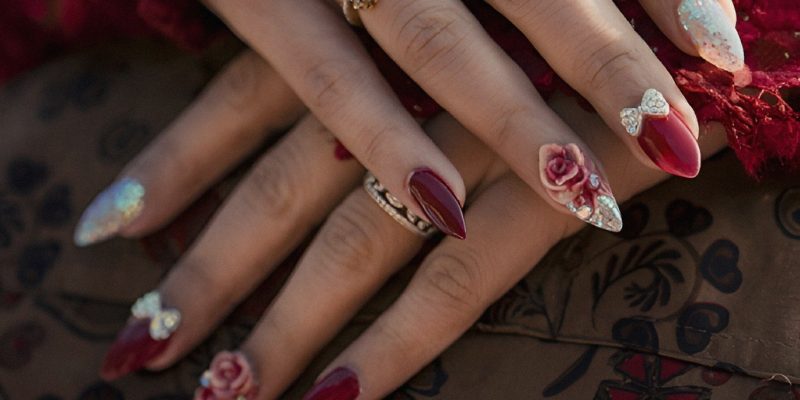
(438, 202)
(669, 142)
(339, 384)
(132, 349)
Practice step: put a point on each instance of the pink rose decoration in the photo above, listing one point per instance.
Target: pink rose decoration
(228, 378)
(563, 171)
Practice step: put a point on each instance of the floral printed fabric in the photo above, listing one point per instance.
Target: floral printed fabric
(693, 300)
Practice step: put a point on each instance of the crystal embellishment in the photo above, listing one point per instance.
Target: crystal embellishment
(163, 322)
(653, 104)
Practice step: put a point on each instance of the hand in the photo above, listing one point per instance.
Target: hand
(441, 45)
(291, 190)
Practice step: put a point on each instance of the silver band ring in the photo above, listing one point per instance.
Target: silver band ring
(395, 208)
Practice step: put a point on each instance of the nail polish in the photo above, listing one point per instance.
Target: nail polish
(132, 349)
(339, 384)
(669, 142)
(144, 338)
(110, 211)
(713, 33)
(438, 202)
(663, 135)
(573, 180)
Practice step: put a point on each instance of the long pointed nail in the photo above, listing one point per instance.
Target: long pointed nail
(662, 135)
(713, 33)
(133, 348)
(339, 384)
(144, 338)
(572, 179)
(438, 202)
(110, 211)
(669, 142)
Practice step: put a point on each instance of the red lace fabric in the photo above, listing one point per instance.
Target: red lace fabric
(763, 127)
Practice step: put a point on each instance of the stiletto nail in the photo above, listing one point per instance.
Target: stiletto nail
(339, 384)
(572, 179)
(438, 202)
(713, 33)
(663, 135)
(144, 338)
(229, 376)
(110, 211)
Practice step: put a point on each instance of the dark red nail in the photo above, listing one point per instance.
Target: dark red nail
(670, 144)
(132, 349)
(438, 202)
(340, 384)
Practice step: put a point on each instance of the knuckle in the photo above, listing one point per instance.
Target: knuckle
(431, 37)
(272, 189)
(607, 65)
(242, 81)
(328, 82)
(375, 146)
(508, 126)
(350, 243)
(454, 281)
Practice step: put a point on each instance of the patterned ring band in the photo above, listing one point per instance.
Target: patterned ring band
(395, 209)
(351, 8)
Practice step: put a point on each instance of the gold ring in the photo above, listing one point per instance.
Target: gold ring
(351, 8)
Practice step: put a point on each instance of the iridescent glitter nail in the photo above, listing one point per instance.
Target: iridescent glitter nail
(111, 210)
(713, 33)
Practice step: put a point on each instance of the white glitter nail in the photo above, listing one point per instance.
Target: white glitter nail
(713, 33)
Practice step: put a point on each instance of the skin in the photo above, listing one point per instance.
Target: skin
(296, 186)
(589, 43)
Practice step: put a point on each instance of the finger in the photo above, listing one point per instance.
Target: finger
(612, 67)
(287, 193)
(244, 104)
(458, 280)
(341, 85)
(701, 27)
(355, 251)
(441, 45)
(452, 287)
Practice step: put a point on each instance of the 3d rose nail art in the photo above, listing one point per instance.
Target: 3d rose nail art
(573, 180)
(110, 211)
(713, 33)
(229, 377)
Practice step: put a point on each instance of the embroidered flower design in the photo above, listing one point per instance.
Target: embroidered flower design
(229, 377)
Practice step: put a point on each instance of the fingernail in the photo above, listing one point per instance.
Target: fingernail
(663, 135)
(670, 144)
(144, 338)
(438, 202)
(572, 179)
(229, 376)
(713, 33)
(132, 349)
(110, 211)
(340, 384)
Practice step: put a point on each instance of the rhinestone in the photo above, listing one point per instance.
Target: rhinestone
(147, 305)
(163, 324)
(594, 181)
(583, 212)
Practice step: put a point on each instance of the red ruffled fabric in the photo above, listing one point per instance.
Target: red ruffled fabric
(761, 119)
